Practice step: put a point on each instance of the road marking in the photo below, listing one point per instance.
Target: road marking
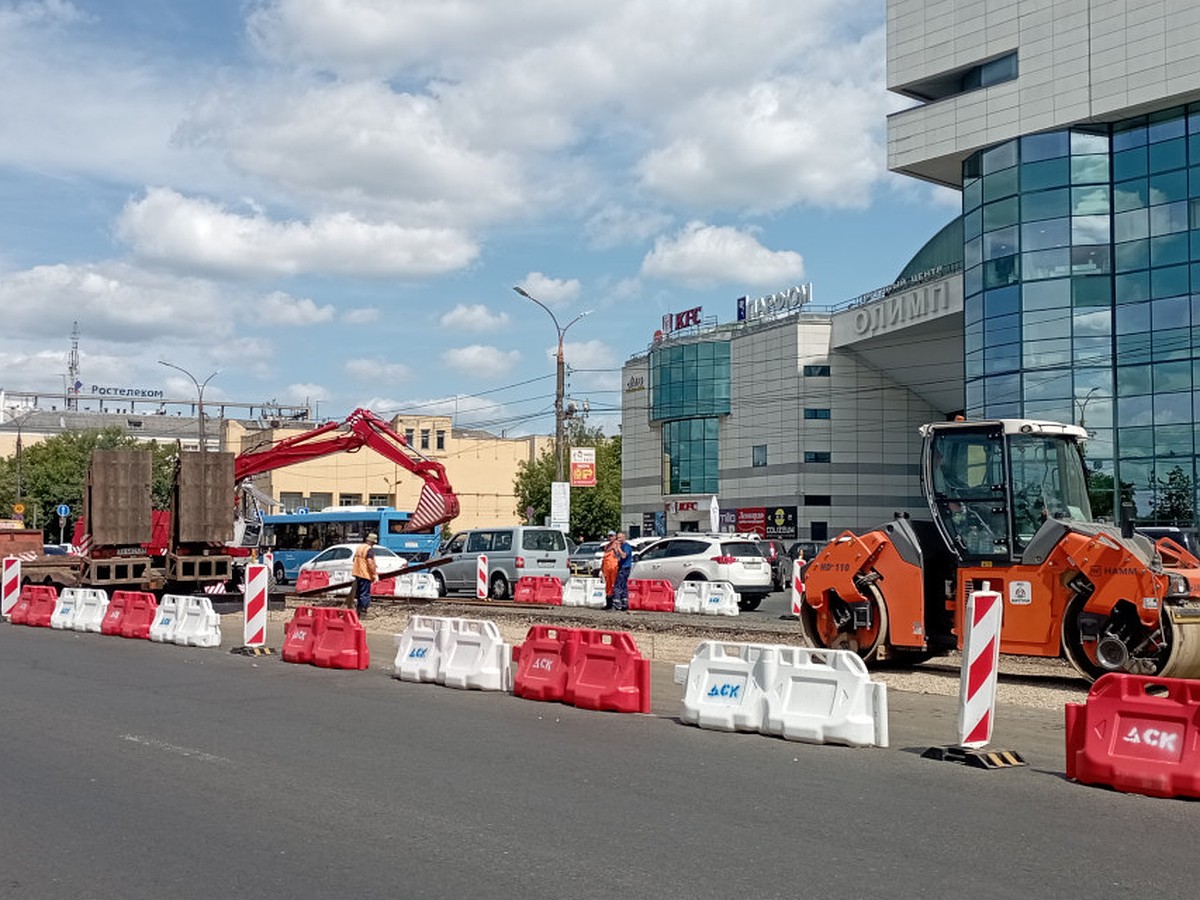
(172, 748)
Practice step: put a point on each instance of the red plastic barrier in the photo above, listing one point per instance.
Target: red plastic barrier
(1137, 734)
(610, 673)
(545, 589)
(341, 640)
(19, 614)
(42, 600)
(544, 662)
(300, 635)
(114, 616)
(311, 580)
(384, 587)
(139, 614)
(651, 595)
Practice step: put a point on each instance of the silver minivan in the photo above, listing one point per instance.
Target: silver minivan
(512, 551)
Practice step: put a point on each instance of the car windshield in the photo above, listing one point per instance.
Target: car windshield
(740, 548)
(588, 547)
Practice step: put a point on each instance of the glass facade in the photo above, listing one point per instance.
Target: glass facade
(1082, 296)
(690, 389)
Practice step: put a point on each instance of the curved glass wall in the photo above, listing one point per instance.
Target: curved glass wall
(1081, 255)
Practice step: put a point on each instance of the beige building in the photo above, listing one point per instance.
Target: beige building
(480, 466)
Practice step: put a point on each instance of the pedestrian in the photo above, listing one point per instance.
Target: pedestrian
(608, 568)
(365, 573)
(624, 554)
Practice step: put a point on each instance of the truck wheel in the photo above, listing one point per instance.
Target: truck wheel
(499, 587)
(829, 624)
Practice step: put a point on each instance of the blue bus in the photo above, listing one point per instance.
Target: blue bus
(295, 538)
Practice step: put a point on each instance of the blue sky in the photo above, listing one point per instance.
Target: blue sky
(331, 200)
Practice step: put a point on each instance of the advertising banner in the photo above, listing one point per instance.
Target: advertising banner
(583, 467)
(752, 519)
(781, 523)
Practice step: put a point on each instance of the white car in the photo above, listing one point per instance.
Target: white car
(338, 561)
(708, 557)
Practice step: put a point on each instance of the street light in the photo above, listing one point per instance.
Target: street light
(559, 386)
(200, 386)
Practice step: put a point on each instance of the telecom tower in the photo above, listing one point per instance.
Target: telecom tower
(73, 382)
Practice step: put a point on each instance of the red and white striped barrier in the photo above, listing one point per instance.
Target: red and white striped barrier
(981, 659)
(481, 578)
(256, 606)
(11, 584)
(797, 585)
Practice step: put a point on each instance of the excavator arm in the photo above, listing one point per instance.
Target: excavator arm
(362, 428)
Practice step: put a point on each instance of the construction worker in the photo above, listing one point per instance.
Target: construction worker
(365, 573)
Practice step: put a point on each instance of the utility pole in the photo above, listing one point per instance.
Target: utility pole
(560, 442)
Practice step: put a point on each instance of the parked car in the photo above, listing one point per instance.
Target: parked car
(585, 560)
(708, 557)
(781, 563)
(338, 561)
(511, 551)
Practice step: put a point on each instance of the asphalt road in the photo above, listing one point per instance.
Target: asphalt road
(130, 769)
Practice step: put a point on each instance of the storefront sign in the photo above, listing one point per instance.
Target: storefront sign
(781, 523)
(779, 304)
(100, 390)
(675, 321)
(635, 383)
(583, 467)
(898, 310)
(752, 519)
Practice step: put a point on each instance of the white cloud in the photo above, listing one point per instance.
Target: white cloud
(199, 235)
(282, 309)
(475, 317)
(376, 370)
(704, 256)
(481, 361)
(551, 291)
(616, 226)
(364, 315)
(305, 393)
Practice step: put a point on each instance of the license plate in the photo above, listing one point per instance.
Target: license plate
(751, 564)
(546, 563)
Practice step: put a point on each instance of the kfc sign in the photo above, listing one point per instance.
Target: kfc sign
(675, 321)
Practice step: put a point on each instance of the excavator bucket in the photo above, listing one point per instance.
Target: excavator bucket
(436, 506)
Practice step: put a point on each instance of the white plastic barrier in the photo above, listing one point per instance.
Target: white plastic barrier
(475, 656)
(65, 608)
(711, 598)
(166, 618)
(826, 697)
(725, 685)
(199, 625)
(587, 592)
(459, 653)
(91, 605)
(419, 649)
(798, 693)
(417, 585)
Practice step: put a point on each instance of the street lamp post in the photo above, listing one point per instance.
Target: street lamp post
(560, 380)
(200, 386)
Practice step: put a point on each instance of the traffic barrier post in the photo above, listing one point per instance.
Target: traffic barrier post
(10, 585)
(797, 586)
(481, 578)
(254, 632)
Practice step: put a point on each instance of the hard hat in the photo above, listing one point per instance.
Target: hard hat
(372, 538)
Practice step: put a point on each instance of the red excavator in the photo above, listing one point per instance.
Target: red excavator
(1008, 508)
(437, 504)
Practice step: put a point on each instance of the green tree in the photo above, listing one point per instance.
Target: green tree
(1174, 503)
(594, 510)
(54, 471)
(1100, 493)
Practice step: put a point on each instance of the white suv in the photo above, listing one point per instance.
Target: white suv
(708, 557)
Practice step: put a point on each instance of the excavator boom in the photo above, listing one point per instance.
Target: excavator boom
(437, 504)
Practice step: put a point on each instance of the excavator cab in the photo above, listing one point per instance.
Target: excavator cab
(991, 486)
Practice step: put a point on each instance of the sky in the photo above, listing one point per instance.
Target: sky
(330, 201)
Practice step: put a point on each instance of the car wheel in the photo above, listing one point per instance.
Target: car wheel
(439, 582)
(695, 576)
(749, 602)
(499, 587)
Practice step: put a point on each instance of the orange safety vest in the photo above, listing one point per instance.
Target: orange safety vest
(364, 565)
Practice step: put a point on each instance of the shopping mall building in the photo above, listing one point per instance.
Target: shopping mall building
(1064, 291)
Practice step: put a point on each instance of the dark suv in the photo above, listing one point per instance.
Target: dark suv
(781, 563)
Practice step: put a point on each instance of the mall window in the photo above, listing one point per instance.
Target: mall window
(816, 413)
(424, 438)
(817, 456)
(758, 455)
(349, 499)
(440, 443)
(818, 500)
(816, 371)
(378, 500)
(689, 380)
(691, 456)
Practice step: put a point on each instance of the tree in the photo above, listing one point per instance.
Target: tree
(594, 510)
(1174, 503)
(1100, 493)
(54, 471)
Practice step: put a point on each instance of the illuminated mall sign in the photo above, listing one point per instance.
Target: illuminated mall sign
(779, 304)
(676, 321)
